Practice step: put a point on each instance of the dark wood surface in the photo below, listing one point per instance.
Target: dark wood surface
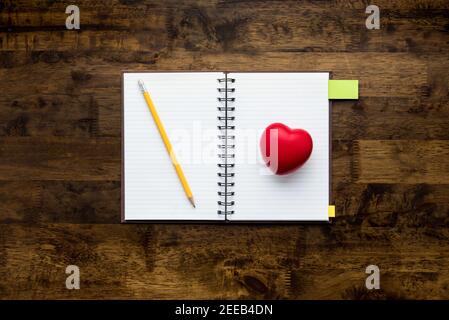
(60, 150)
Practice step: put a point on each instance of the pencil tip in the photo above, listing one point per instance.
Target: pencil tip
(192, 202)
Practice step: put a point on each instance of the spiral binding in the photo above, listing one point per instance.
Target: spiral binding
(226, 146)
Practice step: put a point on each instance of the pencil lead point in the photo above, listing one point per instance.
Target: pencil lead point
(192, 202)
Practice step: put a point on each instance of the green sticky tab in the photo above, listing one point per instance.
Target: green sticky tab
(343, 89)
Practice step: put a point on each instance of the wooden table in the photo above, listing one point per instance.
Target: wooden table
(60, 150)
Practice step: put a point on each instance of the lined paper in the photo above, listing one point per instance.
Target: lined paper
(187, 105)
(299, 100)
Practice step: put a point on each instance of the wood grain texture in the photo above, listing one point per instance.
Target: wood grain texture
(60, 150)
(390, 161)
(59, 159)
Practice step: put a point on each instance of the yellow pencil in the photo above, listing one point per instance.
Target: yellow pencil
(167, 143)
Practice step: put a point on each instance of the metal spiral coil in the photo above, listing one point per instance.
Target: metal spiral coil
(226, 146)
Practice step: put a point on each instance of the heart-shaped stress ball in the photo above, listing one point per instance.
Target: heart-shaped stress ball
(283, 149)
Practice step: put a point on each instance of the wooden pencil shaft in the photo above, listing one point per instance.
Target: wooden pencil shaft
(167, 143)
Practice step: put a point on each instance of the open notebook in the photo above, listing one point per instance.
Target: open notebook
(214, 118)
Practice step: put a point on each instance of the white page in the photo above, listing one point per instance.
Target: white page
(299, 100)
(187, 105)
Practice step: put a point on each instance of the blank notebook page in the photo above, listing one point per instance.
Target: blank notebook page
(186, 103)
(299, 100)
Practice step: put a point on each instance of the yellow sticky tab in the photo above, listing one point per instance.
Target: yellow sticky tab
(343, 89)
(331, 211)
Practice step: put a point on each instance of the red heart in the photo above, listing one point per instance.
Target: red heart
(294, 147)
